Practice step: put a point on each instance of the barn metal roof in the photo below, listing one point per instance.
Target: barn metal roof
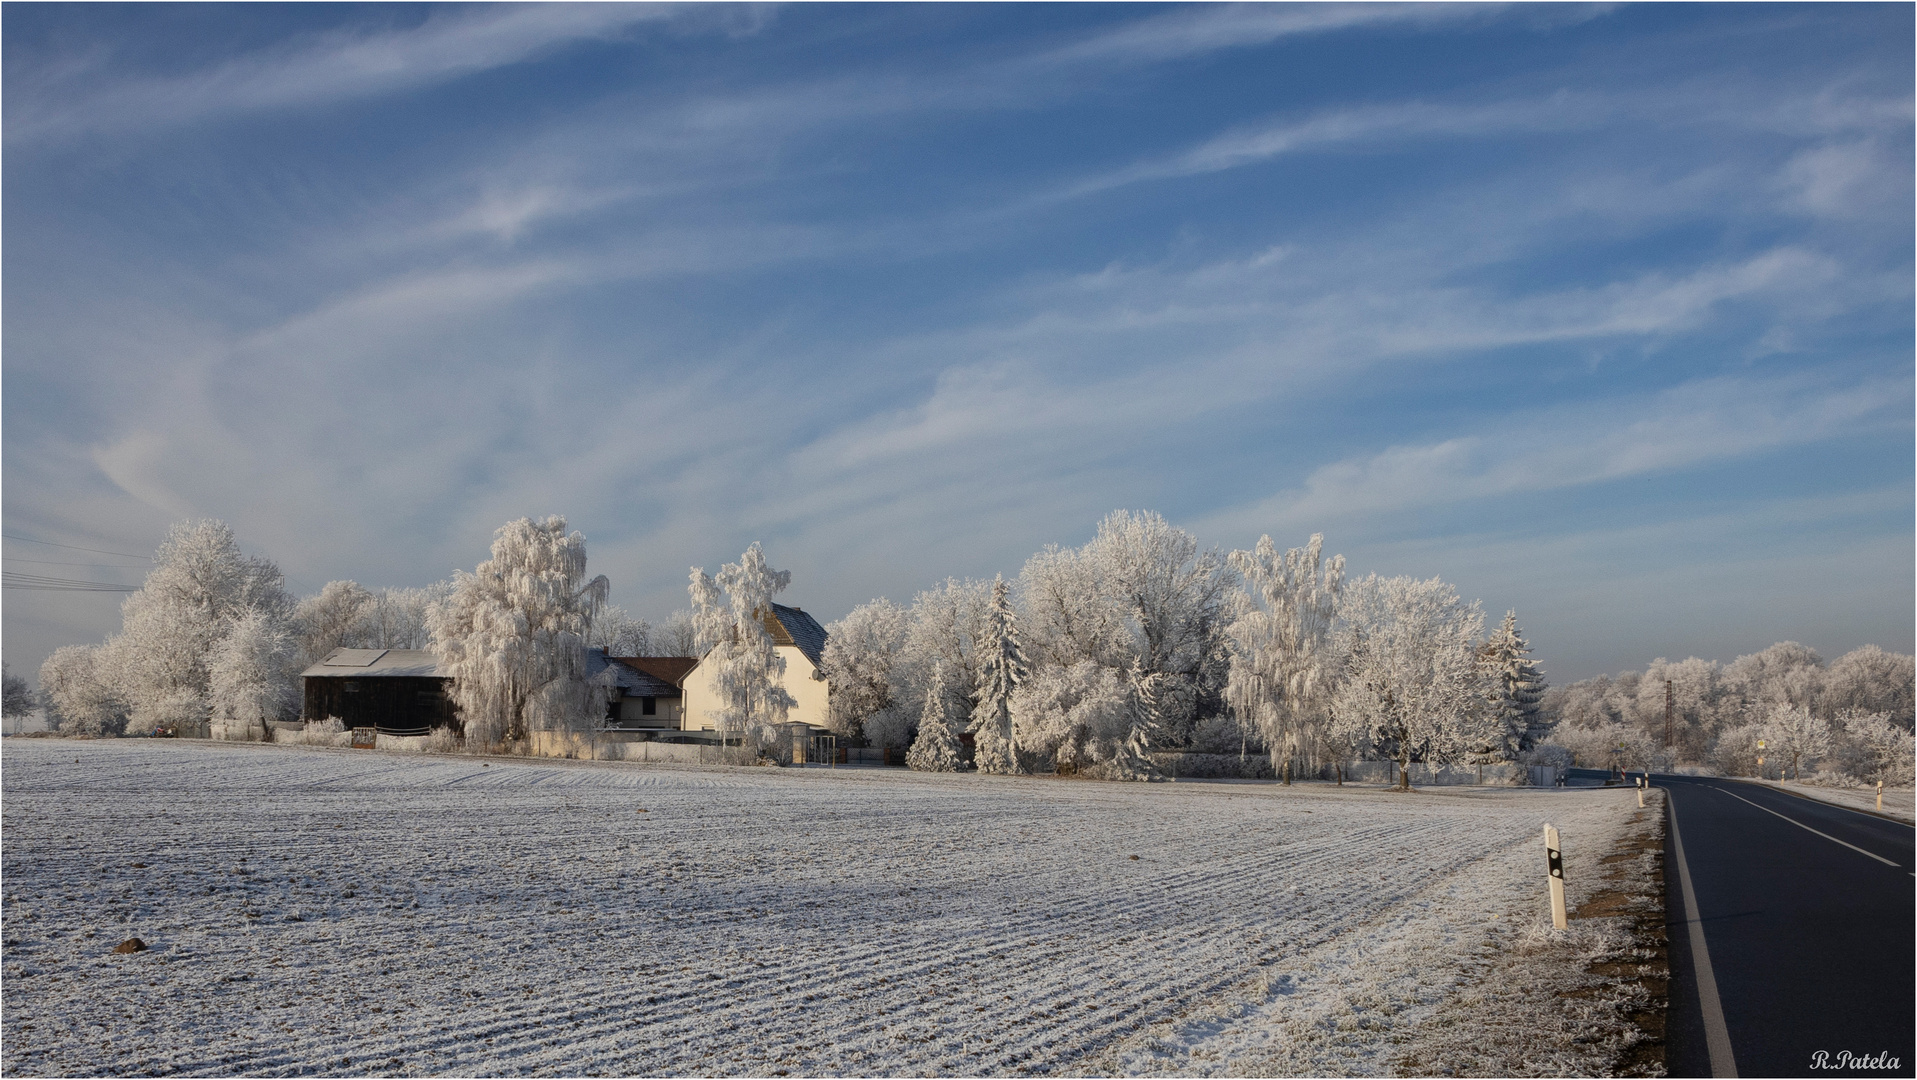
(376, 664)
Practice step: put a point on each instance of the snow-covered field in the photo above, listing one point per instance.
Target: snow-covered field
(315, 911)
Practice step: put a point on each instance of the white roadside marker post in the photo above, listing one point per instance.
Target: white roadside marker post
(1880, 795)
(1640, 793)
(1555, 859)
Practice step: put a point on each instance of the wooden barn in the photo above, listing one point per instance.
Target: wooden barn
(398, 691)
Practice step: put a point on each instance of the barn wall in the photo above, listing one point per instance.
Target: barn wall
(393, 704)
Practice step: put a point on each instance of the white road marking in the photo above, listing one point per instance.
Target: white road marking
(1717, 1037)
(1808, 829)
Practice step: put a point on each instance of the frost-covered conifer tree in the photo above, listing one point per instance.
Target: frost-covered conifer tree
(1282, 667)
(1002, 668)
(1412, 687)
(1133, 760)
(936, 749)
(861, 651)
(513, 634)
(253, 677)
(1517, 687)
(740, 658)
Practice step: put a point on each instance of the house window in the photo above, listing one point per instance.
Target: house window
(648, 706)
(351, 687)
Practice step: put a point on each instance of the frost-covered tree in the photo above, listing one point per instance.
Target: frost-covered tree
(1877, 749)
(678, 635)
(513, 634)
(16, 697)
(1870, 680)
(200, 584)
(1073, 717)
(340, 616)
(1734, 751)
(402, 618)
(1412, 687)
(619, 634)
(1707, 700)
(1786, 673)
(1282, 658)
(79, 697)
(743, 663)
(1607, 745)
(937, 749)
(861, 651)
(253, 676)
(1700, 704)
(946, 625)
(1517, 688)
(1141, 592)
(1001, 669)
(1794, 733)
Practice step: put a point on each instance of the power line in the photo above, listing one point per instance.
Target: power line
(76, 547)
(55, 562)
(13, 580)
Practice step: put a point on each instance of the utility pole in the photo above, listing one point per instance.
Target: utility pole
(1668, 711)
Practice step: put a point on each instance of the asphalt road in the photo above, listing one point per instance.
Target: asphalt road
(1806, 935)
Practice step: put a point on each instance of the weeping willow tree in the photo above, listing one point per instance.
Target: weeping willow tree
(1282, 663)
(513, 634)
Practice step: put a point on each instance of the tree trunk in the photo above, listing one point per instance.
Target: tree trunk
(1287, 770)
(1340, 766)
(1404, 773)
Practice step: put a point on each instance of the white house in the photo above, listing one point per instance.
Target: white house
(798, 638)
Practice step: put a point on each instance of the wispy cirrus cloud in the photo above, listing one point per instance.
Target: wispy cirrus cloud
(1571, 446)
(1194, 31)
(72, 100)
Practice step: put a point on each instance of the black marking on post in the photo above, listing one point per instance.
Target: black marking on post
(1557, 862)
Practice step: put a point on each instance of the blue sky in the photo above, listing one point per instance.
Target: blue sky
(1602, 313)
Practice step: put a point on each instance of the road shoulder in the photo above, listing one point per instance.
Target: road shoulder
(1900, 804)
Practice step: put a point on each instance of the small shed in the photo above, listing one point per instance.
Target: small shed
(398, 691)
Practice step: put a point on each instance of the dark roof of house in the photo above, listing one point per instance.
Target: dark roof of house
(638, 682)
(792, 626)
(670, 670)
(376, 663)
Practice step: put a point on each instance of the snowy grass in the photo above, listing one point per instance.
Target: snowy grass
(1899, 803)
(315, 911)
